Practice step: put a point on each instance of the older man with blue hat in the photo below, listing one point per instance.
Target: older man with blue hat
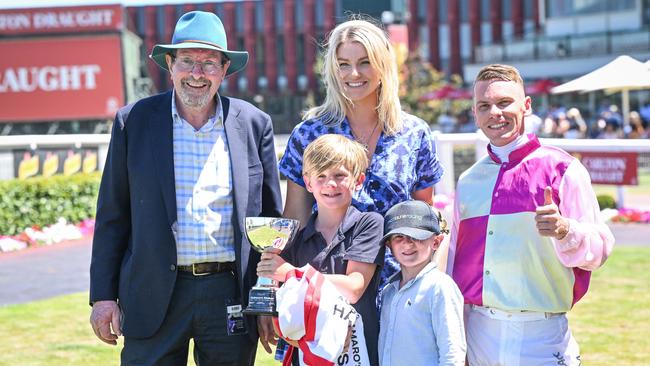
(170, 260)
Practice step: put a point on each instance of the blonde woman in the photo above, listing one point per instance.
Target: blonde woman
(361, 103)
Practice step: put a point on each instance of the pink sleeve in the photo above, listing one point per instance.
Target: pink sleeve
(589, 241)
(451, 255)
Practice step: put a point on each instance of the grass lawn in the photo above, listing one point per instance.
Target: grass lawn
(612, 324)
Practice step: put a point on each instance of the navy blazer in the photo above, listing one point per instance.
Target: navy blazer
(134, 250)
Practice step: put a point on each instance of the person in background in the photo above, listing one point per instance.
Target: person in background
(637, 128)
(644, 112)
(422, 314)
(526, 234)
(576, 127)
(337, 239)
(465, 123)
(362, 104)
(611, 130)
(170, 260)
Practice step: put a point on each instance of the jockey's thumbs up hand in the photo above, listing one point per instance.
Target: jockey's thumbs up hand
(548, 219)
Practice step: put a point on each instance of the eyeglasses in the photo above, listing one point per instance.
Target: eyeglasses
(185, 64)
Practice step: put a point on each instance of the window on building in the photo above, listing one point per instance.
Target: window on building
(422, 11)
(442, 11)
(279, 15)
(485, 10)
(299, 14)
(259, 16)
(646, 11)
(140, 21)
(464, 11)
(320, 13)
(528, 9)
(506, 9)
(239, 17)
(260, 56)
(338, 11)
(160, 20)
(300, 53)
(580, 7)
(281, 60)
(218, 9)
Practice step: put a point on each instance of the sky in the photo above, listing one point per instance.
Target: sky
(14, 4)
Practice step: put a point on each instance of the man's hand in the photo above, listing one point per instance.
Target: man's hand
(106, 315)
(266, 332)
(548, 218)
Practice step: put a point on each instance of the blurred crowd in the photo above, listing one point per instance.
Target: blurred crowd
(606, 123)
(560, 122)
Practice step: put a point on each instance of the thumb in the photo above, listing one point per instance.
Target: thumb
(548, 196)
(115, 322)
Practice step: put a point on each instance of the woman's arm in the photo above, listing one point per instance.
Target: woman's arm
(425, 194)
(298, 204)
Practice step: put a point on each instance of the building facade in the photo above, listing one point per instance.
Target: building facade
(557, 39)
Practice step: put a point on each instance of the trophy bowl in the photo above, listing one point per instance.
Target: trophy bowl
(264, 232)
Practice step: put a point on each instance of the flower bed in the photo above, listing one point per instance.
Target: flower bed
(631, 215)
(48, 235)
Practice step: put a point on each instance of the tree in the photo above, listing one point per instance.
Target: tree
(418, 82)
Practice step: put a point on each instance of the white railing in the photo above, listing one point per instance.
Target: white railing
(444, 145)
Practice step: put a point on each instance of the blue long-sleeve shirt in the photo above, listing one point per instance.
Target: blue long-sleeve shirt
(422, 322)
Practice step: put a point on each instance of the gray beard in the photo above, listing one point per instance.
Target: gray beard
(191, 101)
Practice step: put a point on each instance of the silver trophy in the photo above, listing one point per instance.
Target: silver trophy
(264, 232)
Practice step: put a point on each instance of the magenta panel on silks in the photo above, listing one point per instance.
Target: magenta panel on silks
(581, 284)
(468, 261)
(521, 187)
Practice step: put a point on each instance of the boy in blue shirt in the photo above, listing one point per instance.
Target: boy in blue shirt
(422, 308)
(337, 240)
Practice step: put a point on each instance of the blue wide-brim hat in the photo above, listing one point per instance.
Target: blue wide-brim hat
(200, 29)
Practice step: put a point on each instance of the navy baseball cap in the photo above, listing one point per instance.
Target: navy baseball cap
(415, 219)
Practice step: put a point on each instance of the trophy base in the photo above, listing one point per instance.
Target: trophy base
(261, 301)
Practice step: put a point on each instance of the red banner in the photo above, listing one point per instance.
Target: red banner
(61, 19)
(61, 78)
(618, 168)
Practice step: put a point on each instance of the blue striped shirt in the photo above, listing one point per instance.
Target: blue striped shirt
(203, 181)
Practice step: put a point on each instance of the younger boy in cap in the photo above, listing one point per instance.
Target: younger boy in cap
(338, 240)
(422, 308)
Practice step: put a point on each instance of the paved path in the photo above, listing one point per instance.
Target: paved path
(44, 272)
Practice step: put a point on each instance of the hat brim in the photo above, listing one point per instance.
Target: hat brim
(417, 234)
(238, 59)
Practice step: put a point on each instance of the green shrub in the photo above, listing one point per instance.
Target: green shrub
(42, 201)
(606, 201)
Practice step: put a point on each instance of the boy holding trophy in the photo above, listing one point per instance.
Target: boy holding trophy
(337, 240)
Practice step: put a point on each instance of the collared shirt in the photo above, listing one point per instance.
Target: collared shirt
(203, 180)
(496, 255)
(402, 163)
(357, 239)
(422, 322)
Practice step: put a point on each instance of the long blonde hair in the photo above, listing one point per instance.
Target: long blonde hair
(382, 58)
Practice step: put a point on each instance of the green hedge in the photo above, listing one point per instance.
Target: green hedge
(42, 201)
(606, 201)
